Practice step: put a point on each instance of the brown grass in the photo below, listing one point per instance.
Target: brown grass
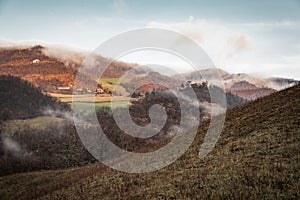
(257, 157)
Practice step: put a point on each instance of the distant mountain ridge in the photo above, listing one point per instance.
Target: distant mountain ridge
(243, 85)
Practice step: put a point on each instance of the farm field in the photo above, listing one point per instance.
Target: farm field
(113, 84)
(86, 100)
(89, 98)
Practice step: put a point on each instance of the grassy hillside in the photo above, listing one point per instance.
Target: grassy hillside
(48, 74)
(112, 85)
(53, 71)
(20, 99)
(257, 157)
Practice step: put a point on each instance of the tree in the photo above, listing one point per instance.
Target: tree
(99, 85)
(153, 93)
(135, 95)
(5, 114)
(147, 94)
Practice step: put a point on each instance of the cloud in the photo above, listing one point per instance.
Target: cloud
(66, 54)
(240, 43)
(260, 48)
(5, 43)
(272, 25)
(220, 42)
(12, 147)
(292, 59)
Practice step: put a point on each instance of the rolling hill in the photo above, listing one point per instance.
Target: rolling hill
(50, 68)
(53, 70)
(19, 99)
(243, 85)
(256, 157)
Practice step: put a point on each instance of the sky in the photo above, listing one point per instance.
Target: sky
(258, 37)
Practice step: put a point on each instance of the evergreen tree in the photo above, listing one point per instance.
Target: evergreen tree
(147, 94)
(153, 93)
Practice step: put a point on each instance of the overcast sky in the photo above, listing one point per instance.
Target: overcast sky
(258, 36)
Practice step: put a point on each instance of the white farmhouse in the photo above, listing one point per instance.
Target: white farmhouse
(36, 61)
(64, 88)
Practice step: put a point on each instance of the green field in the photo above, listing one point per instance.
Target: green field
(89, 98)
(12, 126)
(112, 85)
(88, 107)
(114, 80)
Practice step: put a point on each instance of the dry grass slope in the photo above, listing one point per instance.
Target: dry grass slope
(19, 99)
(257, 157)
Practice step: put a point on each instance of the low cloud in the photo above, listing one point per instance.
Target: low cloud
(81, 119)
(272, 25)
(220, 42)
(240, 43)
(5, 43)
(68, 55)
(11, 147)
(59, 113)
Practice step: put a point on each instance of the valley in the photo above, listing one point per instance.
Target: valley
(140, 100)
(42, 156)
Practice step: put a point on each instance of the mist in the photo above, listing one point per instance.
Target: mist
(11, 147)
